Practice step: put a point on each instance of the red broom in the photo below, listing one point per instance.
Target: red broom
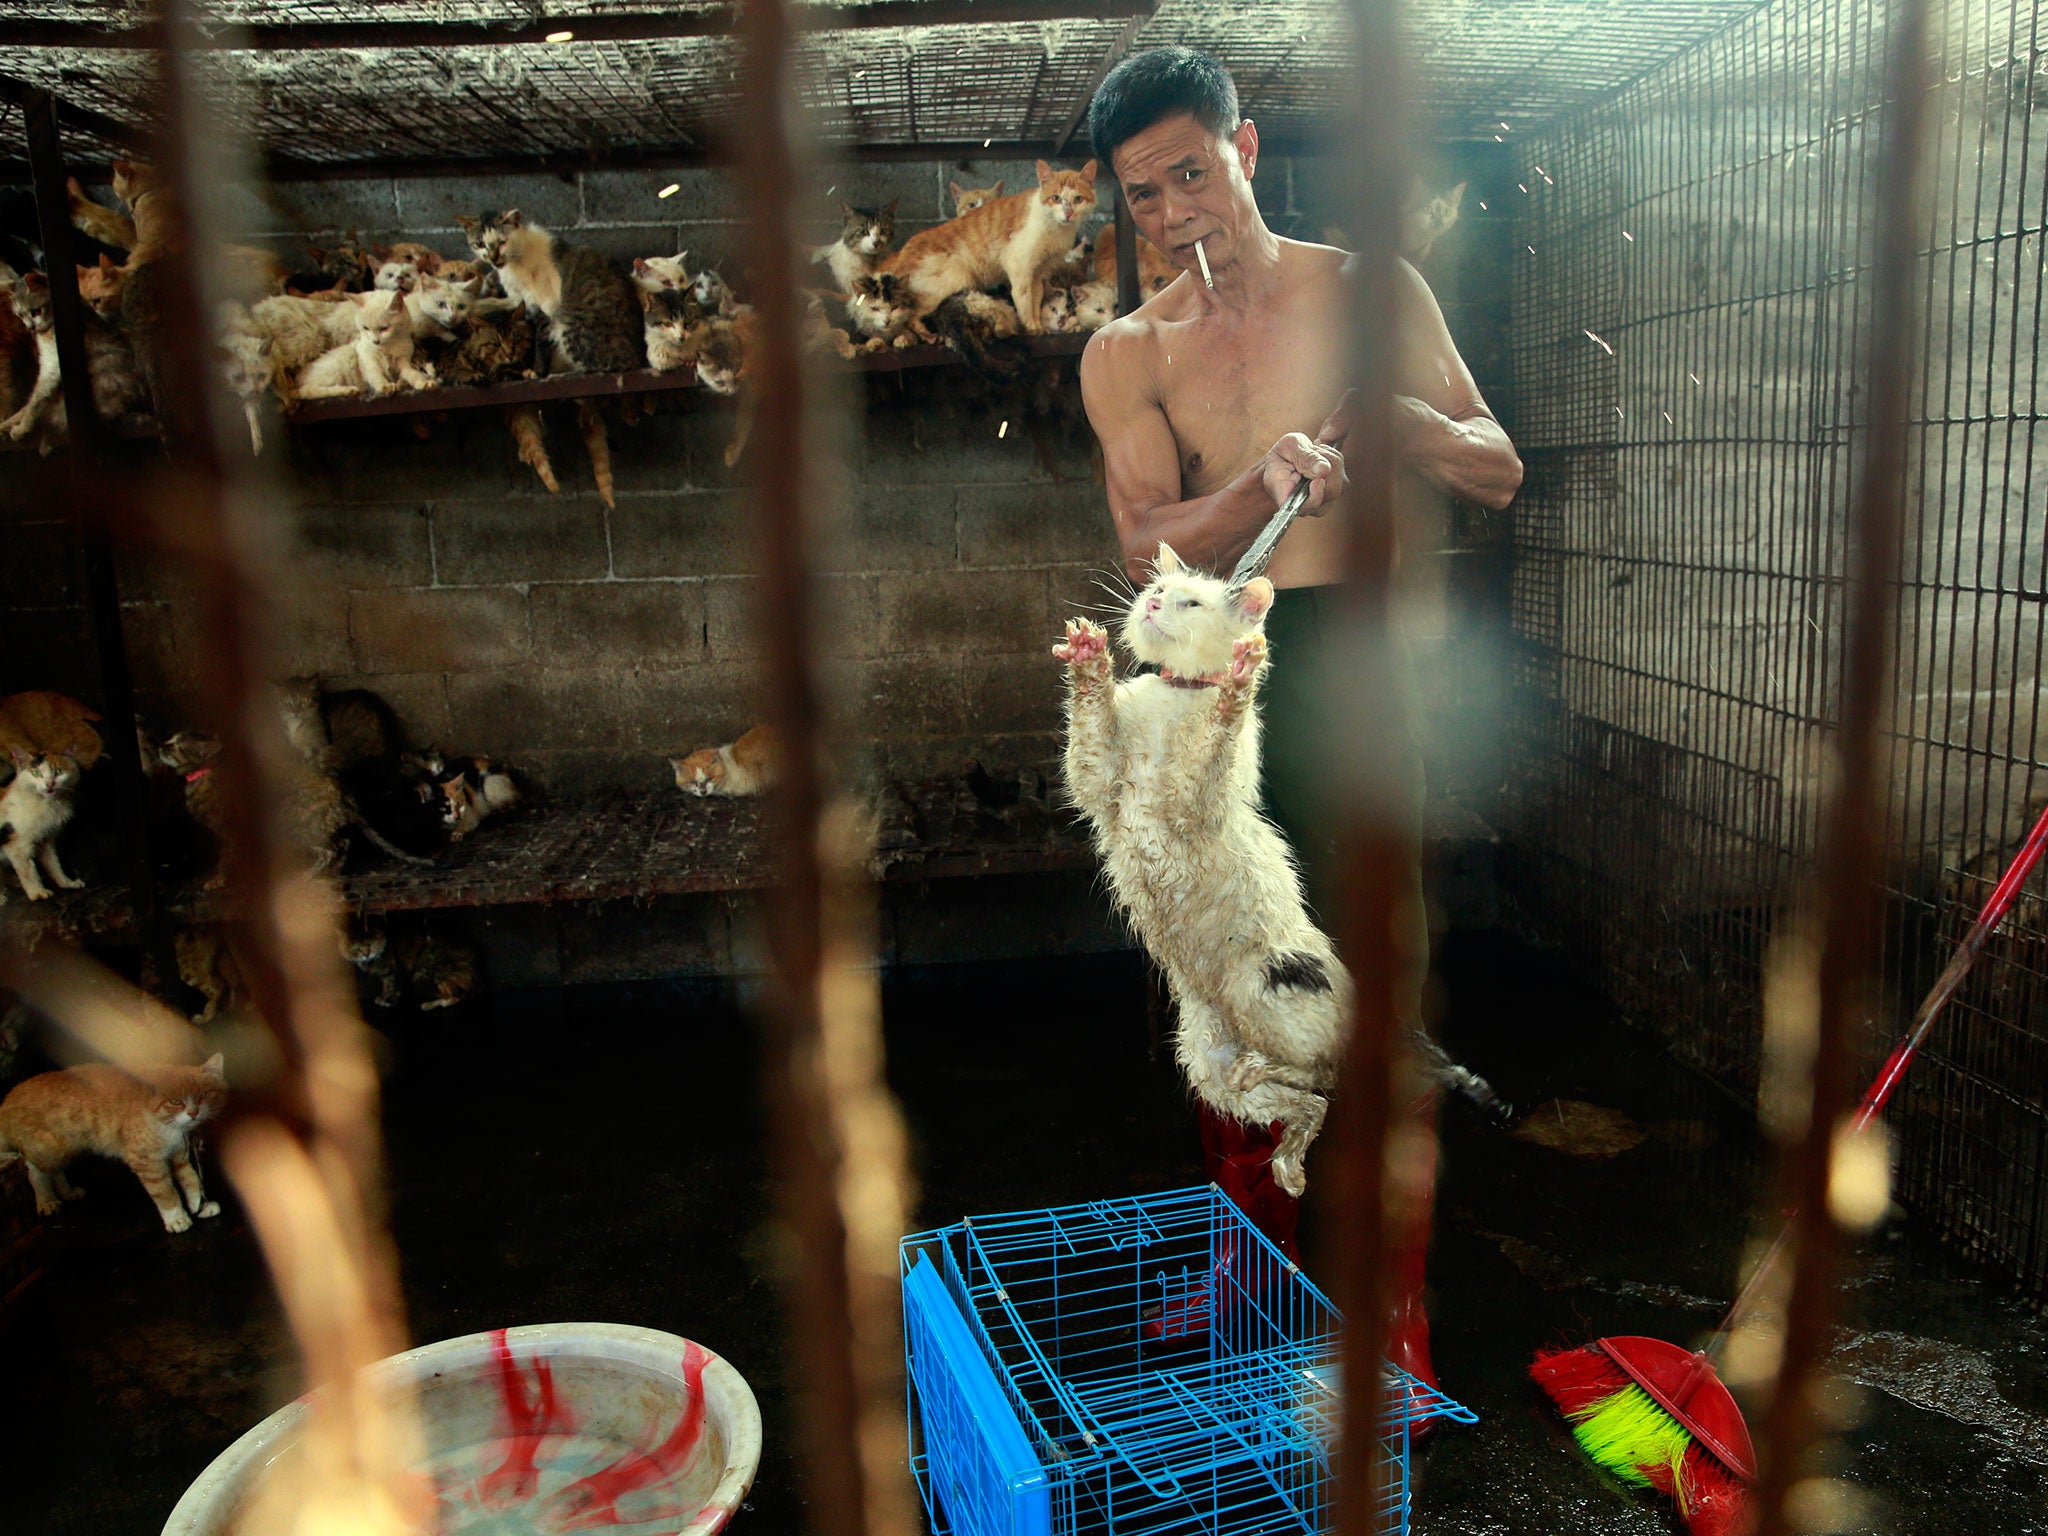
(1656, 1415)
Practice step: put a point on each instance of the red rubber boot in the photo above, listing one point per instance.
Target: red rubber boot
(1239, 1161)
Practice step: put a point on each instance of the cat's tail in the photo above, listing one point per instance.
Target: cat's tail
(386, 844)
(591, 421)
(533, 448)
(971, 328)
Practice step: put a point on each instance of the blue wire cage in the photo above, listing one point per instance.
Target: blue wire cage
(1143, 1367)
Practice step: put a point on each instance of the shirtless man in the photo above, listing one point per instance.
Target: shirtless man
(1211, 405)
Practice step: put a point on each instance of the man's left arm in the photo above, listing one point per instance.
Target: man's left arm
(1442, 426)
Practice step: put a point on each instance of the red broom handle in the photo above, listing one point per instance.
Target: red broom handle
(1880, 1092)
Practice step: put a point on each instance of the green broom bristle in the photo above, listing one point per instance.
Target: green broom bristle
(1628, 1433)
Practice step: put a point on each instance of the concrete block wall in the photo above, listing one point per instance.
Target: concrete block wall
(585, 644)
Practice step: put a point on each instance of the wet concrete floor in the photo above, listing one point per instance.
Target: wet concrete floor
(596, 1155)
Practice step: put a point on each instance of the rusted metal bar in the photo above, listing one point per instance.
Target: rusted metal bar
(90, 536)
(1852, 832)
(1378, 853)
(1110, 60)
(561, 31)
(301, 1136)
(804, 1143)
(1127, 297)
(71, 115)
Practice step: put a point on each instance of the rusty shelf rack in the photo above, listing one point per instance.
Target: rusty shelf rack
(585, 386)
(634, 844)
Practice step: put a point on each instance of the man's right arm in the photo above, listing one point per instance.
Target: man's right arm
(1141, 463)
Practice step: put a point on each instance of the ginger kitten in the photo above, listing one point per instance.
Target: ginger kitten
(146, 1123)
(748, 766)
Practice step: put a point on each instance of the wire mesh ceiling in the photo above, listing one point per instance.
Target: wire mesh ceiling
(1483, 68)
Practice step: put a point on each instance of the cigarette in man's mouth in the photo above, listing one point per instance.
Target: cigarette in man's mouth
(1203, 257)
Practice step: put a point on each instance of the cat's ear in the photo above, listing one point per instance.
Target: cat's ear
(216, 1067)
(639, 266)
(512, 218)
(108, 264)
(1088, 173)
(1044, 173)
(1455, 196)
(356, 298)
(890, 207)
(461, 218)
(996, 190)
(1254, 597)
(955, 188)
(648, 300)
(35, 282)
(1166, 562)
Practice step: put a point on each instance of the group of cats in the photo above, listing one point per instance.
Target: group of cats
(943, 284)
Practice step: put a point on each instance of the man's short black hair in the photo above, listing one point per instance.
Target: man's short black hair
(1156, 84)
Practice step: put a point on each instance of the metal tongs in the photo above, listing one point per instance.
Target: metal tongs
(1260, 555)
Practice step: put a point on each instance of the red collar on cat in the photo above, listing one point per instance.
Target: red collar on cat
(1174, 680)
(198, 773)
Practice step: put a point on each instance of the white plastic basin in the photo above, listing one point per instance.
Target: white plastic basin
(542, 1430)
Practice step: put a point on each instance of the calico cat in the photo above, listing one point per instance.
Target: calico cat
(1427, 218)
(35, 806)
(206, 964)
(1016, 239)
(674, 324)
(593, 324)
(424, 968)
(748, 766)
(967, 199)
(1166, 769)
(652, 274)
(146, 1122)
(118, 390)
(376, 360)
(722, 355)
(863, 239)
(472, 796)
(881, 309)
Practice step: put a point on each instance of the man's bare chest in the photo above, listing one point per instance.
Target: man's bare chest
(1229, 397)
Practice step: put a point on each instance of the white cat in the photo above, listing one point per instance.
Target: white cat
(34, 808)
(376, 360)
(1166, 768)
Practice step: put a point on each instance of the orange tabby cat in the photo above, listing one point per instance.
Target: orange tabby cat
(1016, 239)
(749, 766)
(146, 1123)
(48, 723)
(1154, 270)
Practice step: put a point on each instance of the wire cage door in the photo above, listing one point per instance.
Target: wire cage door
(1143, 1366)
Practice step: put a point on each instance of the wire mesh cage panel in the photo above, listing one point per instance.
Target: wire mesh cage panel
(1694, 257)
(1142, 1366)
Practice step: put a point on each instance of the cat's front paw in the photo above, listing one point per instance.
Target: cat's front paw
(70, 882)
(1246, 657)
(36, 892)
(176, 1220)
(1289, 1174)
(1086, 647)
(49, 1207)
(208, 1210)
(16, 427)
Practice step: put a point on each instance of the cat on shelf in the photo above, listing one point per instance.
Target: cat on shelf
(881, 308)
(864, 238)
(473, 793)
(378, 359)
(673, 323)
(967, 199)
(652, 274)
(102, 223)
(970, 323)
(1155, 272)
(146, 1122)
(591, 311)
(714, 295)
(495, 346)
(118, 389)
(748, 766)
(1017, 240)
